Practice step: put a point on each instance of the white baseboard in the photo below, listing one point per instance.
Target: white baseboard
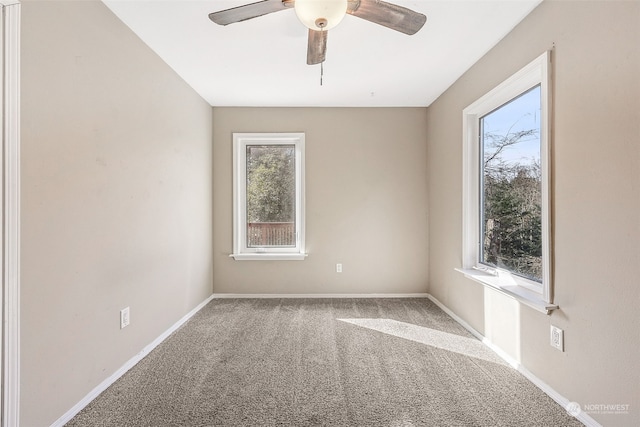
(411, 295)
(583, 417)
(130, 364)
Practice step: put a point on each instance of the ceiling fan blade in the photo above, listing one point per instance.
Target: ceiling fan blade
(389, 15)
(249, 11)
(317, 47)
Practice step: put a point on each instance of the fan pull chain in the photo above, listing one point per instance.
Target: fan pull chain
(321, 72)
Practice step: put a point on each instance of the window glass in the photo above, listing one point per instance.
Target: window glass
(511, 187)
(271, 196)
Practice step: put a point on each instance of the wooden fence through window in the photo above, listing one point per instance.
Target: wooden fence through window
(261, 234)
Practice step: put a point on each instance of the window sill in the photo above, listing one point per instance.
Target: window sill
(506, 286)
(269, 257)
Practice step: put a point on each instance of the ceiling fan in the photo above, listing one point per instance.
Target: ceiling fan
(319, 16)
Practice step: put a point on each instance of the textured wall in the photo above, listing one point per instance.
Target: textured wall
(116, 201)
(366, 201)
(596, 200)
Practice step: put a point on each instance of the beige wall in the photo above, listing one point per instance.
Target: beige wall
(116, 201)
(366, 201)
(596, 203)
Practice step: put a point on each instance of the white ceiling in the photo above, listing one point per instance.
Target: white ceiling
(262, 61)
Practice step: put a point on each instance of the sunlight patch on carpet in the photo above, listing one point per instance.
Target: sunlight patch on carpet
(467, 346)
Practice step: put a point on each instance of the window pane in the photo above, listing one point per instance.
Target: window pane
(511, 205)
(271, 196)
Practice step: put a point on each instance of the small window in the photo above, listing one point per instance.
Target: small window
(506, 226)
(268, 196)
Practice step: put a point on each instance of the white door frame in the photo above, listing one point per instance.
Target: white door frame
(10, 211)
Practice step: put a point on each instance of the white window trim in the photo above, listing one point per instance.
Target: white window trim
(240, 250)
(10, 24)
(532, 294)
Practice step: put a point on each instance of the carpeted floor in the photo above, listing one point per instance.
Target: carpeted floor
(333, 362)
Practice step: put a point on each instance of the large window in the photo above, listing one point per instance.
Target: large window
(511, 187)
(506, 228)
(268, 196)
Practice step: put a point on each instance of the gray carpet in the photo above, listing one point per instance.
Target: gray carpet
(334, 362)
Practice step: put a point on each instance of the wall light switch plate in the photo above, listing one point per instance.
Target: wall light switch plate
(338, 268)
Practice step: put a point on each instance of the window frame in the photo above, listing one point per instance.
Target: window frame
(536, 295)
(241, 250)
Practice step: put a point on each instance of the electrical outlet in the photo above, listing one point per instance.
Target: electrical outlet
(557, 338)
(124, 318)
(338, 268)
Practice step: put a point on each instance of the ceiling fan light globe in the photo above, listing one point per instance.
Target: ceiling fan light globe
(320, 14)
